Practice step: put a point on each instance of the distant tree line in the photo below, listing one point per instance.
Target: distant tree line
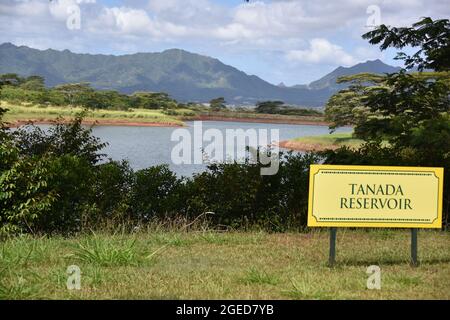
(32, 89)
(279, 107)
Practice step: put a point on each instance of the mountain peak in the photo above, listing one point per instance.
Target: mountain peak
(175, 50)
(7, 45)
(370, 66)
(374, 62)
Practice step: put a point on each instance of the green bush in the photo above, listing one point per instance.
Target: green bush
(155, 193)
(241, 197)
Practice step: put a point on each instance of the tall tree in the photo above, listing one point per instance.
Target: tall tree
(218, 104)
(432, 37)
(270, 107)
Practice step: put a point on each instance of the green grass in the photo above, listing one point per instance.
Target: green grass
(24, 112)
(334, 139)
(155, 264)
(256, 276)
(98, 251)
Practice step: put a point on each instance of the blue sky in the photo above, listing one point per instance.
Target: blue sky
(290, 41)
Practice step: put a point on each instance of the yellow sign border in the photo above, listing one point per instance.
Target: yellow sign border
(315, 168)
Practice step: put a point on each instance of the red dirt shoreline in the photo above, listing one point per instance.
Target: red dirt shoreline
(102, 122)
(256, 120)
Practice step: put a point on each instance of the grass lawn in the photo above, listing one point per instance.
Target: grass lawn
(25, 112)
(334, 140)
(210, 265)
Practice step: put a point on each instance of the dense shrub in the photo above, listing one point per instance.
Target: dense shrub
(155, 193)
(24, 197)
(111, 193)
(241, 197)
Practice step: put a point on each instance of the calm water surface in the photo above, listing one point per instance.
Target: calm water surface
(149, 146)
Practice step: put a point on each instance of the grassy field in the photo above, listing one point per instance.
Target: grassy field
(334, 140)
(26, 112)
(211, 265)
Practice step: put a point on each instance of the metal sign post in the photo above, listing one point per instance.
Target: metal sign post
(332, 258)
(414, 261)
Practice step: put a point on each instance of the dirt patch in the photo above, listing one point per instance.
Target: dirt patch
(302, 146)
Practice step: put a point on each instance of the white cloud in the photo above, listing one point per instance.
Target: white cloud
(301, 31)
(60, 9)
(134, 22)
(24, 8)
(124, 20)
(321, 51)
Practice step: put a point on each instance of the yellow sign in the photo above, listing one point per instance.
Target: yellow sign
(372, 196)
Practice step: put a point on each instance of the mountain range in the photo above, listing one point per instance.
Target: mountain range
(184, 75)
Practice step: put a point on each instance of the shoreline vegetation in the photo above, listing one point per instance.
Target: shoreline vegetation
(23, 113)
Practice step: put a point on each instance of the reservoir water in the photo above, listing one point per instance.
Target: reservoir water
(148, 146)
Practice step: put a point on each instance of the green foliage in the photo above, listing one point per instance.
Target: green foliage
(218, 104)
(256, 276)
(34, 83)
(32, 89)
(347, 106)
(153, 100)
(111, 192)
(278, 107)
(61, 139)
(240, 196)
(23, 190)
(155, 192)
(433, 38)
(47, 177)
(10, 79)
(269, 107)
(99, 252)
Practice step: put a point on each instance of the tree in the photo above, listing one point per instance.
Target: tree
(34, 83)
(432, 37)
(154, 100)
(270, 107)
(73, 92)
(11, 79)
(60, 139)
(24, 197)
(347, 106)
(218, 104)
